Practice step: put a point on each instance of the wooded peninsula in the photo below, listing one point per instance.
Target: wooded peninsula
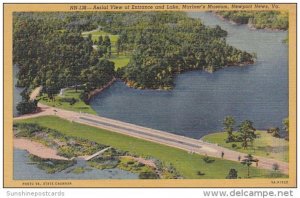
(51, 50)
(259, 20)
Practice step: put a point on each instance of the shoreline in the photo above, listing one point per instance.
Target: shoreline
(171, 87)
(37, 149)
(249, 25)
(95, 92)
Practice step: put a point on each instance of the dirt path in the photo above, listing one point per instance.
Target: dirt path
(35, 93)
(142, 160)
(185, 143)
(37, 149)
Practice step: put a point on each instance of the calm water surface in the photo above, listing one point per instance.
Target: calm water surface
(200, 100)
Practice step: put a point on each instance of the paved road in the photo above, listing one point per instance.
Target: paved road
(157, 136)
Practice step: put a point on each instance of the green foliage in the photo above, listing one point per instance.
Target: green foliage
(246, 133)
(51, 166)
(98, 75)
(109, 159)
(286, 126)
(60, 102)
(265, 145)
(55, 59)
(200, 173)
(27, 129)
(173, 43)
(233, 174)
(228, 124)
(248, 160)
(148, 175)
(186, 164)
(71, 101)
(66, 146)
(128, 164)
(70, 147)
(78, 170)
(259, 19)
(120, 60)
(274, 131)
(208, 160)
(25, 107)
(161, 44)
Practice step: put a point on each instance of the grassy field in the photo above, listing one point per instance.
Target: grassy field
(60, 102)
(266, 145)
(187, 164)
(120, 61)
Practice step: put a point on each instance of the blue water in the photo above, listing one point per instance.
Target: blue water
(24, 170)
(200, 100)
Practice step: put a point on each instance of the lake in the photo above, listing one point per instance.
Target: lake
(200, 100)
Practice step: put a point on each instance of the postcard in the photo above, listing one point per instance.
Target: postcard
(149, 95)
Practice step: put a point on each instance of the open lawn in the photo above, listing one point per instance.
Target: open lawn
(187, 164)
(265, 145)
(120, 61)
(63, 102)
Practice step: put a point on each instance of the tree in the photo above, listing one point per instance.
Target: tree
(248, 161)
(228, 127)
(25, 95)
(246, 133)
(26, 106)
(275, 167)
(286, 125)
(100, 40)
(119, 46)
(233, 174)
(106, 41)
(274, 131)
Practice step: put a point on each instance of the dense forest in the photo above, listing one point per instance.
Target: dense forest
(50, 50)
(260, 20)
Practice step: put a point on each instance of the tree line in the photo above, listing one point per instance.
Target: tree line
(259, 19)
(246, 131)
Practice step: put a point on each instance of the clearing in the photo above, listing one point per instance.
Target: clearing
(265, 145)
